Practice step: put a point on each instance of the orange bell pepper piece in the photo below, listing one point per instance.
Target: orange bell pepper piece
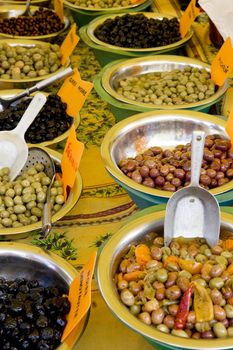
(228, 244)
(170, 259)
(134, 276)
(142, 254)
(229, 270)
(191, 266)
(203, 305)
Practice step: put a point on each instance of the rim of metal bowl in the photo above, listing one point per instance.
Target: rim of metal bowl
(30, 43)
(52, 258)
(105, 282)
(112, 69)
(75, 121)
(19, 2)
(6, 8)
(125, 125)
(91, 27)
(104, 9)
(19, 232)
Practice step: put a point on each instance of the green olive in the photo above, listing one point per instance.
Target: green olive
(216, 282)
(220, 330)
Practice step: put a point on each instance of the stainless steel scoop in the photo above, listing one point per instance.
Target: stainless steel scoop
(27, 11)
(37, 155)
(193, 211)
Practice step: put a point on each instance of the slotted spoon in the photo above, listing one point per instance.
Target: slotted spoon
(193, 211)
(13, 148)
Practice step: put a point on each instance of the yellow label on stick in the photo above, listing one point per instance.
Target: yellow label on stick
(222, 64)
(69, 44)
(80, 296)
(70, 160)
(74, 92)
(59, 9)
(188, 18)
(229, 125)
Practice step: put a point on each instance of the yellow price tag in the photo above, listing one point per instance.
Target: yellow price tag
(59, 9)
(222, 64)
(74, 91)
(80, 296)
(71, 159)
(69, 44)
(188, 18)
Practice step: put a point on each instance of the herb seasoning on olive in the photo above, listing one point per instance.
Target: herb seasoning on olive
(102, 4)
(31, 316)
(138, 31)
(173, 87)
(185, 289)
(41, 22)
(170, 169)
(51, 121)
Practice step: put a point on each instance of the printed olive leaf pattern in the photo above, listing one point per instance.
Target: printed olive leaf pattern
(101, 240)
(104, 192)
(57, 243)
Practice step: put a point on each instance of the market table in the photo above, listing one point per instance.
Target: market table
(104, 206)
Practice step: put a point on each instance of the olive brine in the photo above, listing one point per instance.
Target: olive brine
(31, 316)
(138, 31)
(51, 122)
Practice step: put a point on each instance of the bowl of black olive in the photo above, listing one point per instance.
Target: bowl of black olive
(141, 32)
(34, 288)
(43, 3)
(42, 24)
(152, 288)
(51, 125)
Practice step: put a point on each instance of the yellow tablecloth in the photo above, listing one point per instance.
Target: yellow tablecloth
(104, 206)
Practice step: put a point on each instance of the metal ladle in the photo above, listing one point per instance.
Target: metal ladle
(39, 86)
(27, 9)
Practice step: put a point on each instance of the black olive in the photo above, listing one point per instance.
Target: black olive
(47, 333)
(42, 321)
(34, 336)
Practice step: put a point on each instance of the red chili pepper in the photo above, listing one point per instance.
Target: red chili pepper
(183, 310)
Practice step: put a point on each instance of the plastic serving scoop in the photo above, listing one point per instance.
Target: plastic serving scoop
(193, 211)
(13, 148)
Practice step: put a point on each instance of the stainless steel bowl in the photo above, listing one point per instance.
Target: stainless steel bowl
(8, 11)
(159, 49)
(135, 134)
(113, 250)
(114, 73)
(25, 83)
(104, 9)
(75, 121)
(74, 194)
(26, 261)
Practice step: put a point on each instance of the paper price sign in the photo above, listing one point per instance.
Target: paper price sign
(74, 92)
(222, 64)
(80, 296)
(188, 18)
(69, 44)
(229, 125)
(59, 9)
(70, 160)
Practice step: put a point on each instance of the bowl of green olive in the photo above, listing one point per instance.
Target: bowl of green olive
(149, 155)
(164, 82)
(22, 200)
(51, 126)
(43, 279)
(24, 62)
(43, 24)
(159, 291)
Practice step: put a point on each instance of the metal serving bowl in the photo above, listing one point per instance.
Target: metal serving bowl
(108, 261)
(26, 261)
(166, 129)
(75, 192)
(25, 83)
(104, 9)
(113, 73)
(157, 50)
(75, 121)
(42, 3)
(8, 11)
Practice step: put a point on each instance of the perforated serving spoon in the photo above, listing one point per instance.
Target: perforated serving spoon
(193, 211)
(39, 86)
(13, 148)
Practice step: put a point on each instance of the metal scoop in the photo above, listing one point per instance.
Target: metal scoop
(27, 11)
(4, 103)
(37, 155)
(193, 211)
(13, 148)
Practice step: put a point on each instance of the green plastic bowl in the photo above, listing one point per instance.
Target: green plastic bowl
(83, 17)
(106, 55)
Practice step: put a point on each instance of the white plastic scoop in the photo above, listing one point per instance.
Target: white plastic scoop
(13, 148)
(193, 211)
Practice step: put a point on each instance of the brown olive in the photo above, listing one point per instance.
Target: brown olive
(196, 335)
(219, 313)
(216, 296)
(144, 171)
(157, 316)
(208, 142)
(131, 165)
(173, 293)
(216, 270)
(150, 163)
(208, 155)
(208, 335)
(156, 253)
(211, 173)
(225, 165)
(222, 145)
(148, 182)
(214, 183)
(156, 150)
(191, 317)
(229, 173)
(179, 173)
(169, 321)
(230, 153)
(222, 181)
(219, 175)
(135, 287)
(136, 176)
(164, 170)
(154, 172)
(160, 293)
(169, 187)
(173, 309)
(205, 180)
(169, 177)
(134, 266)
(183, 283)
(168, 153)
(159, 181)
(215, 165)
(187, 166)
(145, 317)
